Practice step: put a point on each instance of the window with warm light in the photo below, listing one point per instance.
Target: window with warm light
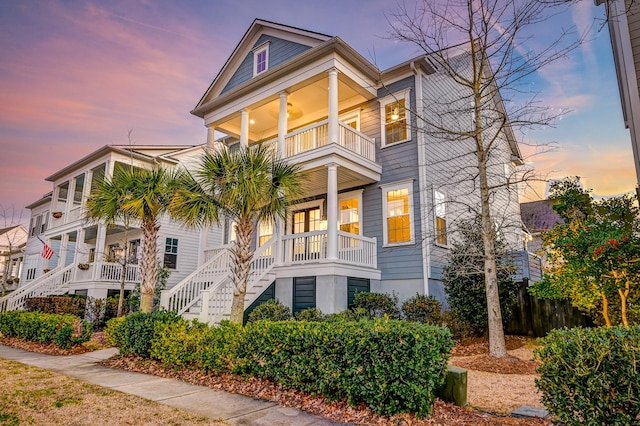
(398, 212)
(349, 216)
(261, 59)
(440, 205)
(395, 118)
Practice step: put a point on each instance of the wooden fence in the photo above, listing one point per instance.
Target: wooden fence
(536, 317)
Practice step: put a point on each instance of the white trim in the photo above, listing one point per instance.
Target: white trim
(303, 206)
(406, 184)
(395, 97)
(263, 48)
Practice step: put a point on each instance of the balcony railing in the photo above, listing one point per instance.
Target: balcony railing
(317, 135)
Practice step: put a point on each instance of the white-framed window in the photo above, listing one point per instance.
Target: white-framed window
(261, 59)
(397, 209)
(265, 232)
(350, 206)
(351, 118)
(171, 253)
(440, 207)
(232, 232)
(394, 117)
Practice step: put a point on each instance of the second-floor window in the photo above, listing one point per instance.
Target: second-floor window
(394, 111)
(261, 59)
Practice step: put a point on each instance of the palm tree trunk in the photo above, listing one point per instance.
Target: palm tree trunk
(242, 256)
(149, 263)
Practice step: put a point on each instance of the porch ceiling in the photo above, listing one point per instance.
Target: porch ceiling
(316, 180)
(309, 103)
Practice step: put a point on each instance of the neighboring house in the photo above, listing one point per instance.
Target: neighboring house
(12, 243)
(381, 193)
(86, 254)
(623, 17)
(538, 217)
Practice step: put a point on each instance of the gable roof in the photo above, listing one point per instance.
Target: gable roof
(246, 44)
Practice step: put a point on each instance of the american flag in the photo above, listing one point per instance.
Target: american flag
(47, 252)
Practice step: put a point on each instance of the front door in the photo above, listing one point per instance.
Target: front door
(307, 220)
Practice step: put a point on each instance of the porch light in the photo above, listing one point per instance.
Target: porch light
(395, 114)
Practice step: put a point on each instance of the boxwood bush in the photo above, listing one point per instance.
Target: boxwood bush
(62, 329)
(591, 376)
(392, 366)
(134, 333)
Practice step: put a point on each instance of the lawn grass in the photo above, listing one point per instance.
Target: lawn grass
(33, 396)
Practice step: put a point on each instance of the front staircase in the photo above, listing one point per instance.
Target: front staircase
(53, 282)
(207, 293)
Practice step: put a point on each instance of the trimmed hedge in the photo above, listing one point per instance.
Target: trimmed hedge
(62, 329)
(74, 305)
(134, 333)
(392, 366)
(591, 376)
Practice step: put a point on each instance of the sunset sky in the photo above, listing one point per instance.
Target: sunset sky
(77, 75)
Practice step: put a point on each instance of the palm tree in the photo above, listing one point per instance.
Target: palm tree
(136, 194)
(247, 186)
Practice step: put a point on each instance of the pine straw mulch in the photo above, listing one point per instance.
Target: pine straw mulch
(474, 355)
(443, 413)
(96, 342)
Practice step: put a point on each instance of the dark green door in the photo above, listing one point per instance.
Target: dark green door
(268, 294)
(356, 285)
(304, 293)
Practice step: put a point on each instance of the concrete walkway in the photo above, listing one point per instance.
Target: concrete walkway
(218, 405)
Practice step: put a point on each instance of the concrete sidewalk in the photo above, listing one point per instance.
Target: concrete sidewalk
(218, 405)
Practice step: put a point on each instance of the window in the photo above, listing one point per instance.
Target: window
(43, 227)
(349, 205)
(171, 253)
(232, 232)
(261, 59)
(440, 205)
(92, 255)
(265, 232)
(394, 111)
(397, 208)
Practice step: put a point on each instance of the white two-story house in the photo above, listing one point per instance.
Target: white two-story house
(381, 191)
(88, 256)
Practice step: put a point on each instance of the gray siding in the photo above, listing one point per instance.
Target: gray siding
(280, 51)
(451, 167)
(399, 162)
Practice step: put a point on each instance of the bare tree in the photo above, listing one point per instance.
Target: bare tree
(476, 120)
(12, 236)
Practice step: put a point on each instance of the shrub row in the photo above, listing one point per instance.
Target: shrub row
(63, 330)
(57, 305)
(591, 376)
(392, 366)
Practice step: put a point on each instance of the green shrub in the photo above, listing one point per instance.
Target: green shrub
(311, 314)
(458, 326)
(353, 314)
(271, 310)
(377, 304)
(62, 329)
(392, 366)
(196, 345)
(591, 376)
(134, 334)
(73, 305)
(424, 309)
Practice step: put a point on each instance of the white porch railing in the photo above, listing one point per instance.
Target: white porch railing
(74, 214)
(107, 271)
(317, 135)
(189, 291)
(305, 247)
(217, 301)
(357, 142)
(49, 283)
(357, 250)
